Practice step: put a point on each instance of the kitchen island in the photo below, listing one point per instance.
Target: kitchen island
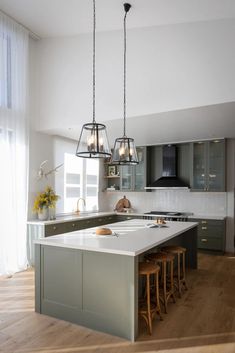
(93, 280)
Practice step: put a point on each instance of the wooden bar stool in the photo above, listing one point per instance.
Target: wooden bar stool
(147, 308)
(180, 277)
(166, 262)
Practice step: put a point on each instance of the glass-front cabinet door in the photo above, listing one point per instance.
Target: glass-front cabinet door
(199, 166)
(140, 170)
(216, 165)
(127, 177)
(133, 177)
(208, 172)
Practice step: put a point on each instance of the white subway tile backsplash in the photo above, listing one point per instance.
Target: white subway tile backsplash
(208, 203)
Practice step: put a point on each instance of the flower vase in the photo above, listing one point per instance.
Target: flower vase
(43, 214)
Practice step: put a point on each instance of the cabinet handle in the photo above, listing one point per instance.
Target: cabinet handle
(204, 228)
(100, 219)
(204, 240)
(204, 222)
(212, 175)
(54, 228)
(203, 175)
(73, 225)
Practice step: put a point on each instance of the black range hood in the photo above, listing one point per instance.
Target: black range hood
(169, 179)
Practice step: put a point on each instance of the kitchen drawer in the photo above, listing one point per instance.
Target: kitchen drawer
(211, 231)
(128, 217)
(73, 226)
(111, 219)
(210, 243)
(53, 229)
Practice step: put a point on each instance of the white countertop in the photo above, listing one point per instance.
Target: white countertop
(134, 237)
(74, 217)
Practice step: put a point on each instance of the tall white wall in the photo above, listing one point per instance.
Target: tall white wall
(169, 68)
(40, 149)
(40, 145)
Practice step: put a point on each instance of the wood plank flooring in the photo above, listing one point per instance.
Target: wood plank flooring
(202, 321)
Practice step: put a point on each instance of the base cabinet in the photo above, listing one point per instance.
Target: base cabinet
(36, 231)
(211, 235)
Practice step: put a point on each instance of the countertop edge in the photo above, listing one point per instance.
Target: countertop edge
(71, 218)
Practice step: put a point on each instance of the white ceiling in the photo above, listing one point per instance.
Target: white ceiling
(208, 122)
(52, 18)
(60, 18)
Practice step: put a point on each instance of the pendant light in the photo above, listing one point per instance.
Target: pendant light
(93, 141)
(124, 152)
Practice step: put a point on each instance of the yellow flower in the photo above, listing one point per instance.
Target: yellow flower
(47, 198)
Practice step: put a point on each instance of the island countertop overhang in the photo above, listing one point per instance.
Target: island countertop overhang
(134, 237)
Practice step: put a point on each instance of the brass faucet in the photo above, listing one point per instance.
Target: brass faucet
(84, 201)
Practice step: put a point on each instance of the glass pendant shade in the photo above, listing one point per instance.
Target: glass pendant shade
(93, 142)
(124, 152)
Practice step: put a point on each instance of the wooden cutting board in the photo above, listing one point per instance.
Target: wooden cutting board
(122, 204)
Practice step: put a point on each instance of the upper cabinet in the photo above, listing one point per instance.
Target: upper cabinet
(128, 178)
(208, 166)
(133, 178)
(201, 165)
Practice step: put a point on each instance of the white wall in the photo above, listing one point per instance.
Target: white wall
(40, 145)
(169, 68)
(60, 147)
(40, 149)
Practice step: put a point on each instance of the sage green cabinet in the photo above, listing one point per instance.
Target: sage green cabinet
(211, 234)
(36, 231)
(127, 217)
(208, 166)
(134, 178)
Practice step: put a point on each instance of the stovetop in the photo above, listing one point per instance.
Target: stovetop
(166, 213)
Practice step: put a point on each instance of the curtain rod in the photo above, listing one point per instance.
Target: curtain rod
(31, 33)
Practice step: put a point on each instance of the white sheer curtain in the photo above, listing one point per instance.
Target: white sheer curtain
(13, 145)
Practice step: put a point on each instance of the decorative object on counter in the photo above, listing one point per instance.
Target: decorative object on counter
(160, 221)
(103, 231)
(123, 205)
(124, 152)
(43, 174)
(44, 202)
(93, 140)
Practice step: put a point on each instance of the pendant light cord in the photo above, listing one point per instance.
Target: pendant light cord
(124, 88)
(94, 28)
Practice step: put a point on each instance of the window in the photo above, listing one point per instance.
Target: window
(80, 180)
(5, 71)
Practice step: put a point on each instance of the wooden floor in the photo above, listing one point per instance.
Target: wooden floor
(203, 320)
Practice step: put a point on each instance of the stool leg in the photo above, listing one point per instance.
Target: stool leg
(158, 308)
(172, 280)
(184, 277)
(148, 305)
(164, 286)
(179, 275)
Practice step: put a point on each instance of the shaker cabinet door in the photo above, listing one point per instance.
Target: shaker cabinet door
(208, 166)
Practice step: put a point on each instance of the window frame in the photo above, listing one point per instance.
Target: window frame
(6, 80)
